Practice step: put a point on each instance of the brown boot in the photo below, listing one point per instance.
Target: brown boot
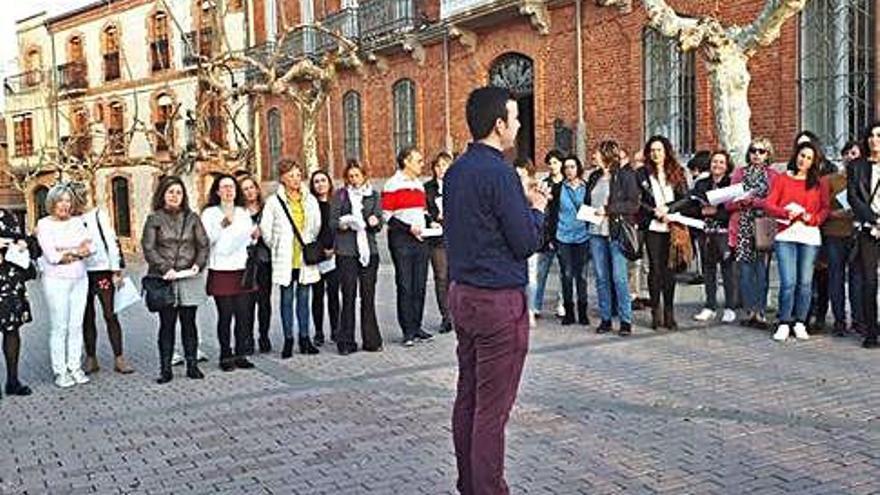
(656, 318)
(91, 365)
(122, 367)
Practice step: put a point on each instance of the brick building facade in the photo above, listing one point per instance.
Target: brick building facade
(424, 57)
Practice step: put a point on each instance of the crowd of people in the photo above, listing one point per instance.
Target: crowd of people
(318, 243)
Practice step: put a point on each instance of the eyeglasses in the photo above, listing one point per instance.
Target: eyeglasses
(758, 151)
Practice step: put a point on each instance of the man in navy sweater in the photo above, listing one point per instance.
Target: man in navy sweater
(491, 228)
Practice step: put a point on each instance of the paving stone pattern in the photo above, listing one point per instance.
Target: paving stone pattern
(706, 410)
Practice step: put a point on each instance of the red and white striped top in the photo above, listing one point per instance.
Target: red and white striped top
(404, 198)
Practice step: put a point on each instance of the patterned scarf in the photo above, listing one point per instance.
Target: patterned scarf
(754, 179)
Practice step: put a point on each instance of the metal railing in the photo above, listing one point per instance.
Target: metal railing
(379, 20)
(24, 82)
(343, 23)
(73, 75)
(449, 8)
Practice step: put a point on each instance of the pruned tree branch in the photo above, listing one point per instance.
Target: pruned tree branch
(766, 27)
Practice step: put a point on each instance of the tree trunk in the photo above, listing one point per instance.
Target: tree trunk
(730, 78)
(310, 140)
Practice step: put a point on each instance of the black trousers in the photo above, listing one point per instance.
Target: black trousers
(410, 259)
(869, 253)
(260, 306)
(354, 278)
(101, 285)
(189, 333)
(328, 285)
(661, 280)
(229, 308)
(714, 252)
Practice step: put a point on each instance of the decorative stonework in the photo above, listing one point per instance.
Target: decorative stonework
(538, 14)
(412, 45)
(467, 38)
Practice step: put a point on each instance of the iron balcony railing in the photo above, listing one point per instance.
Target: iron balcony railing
(380, 20)
(73, 75)
(344, 23)
(24, 82)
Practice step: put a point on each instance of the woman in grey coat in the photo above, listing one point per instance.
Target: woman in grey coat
(176, 248)
(356, 217)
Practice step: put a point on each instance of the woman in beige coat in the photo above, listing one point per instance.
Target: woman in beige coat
(292, 204)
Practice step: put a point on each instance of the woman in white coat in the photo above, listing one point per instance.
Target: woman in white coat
(292, 204)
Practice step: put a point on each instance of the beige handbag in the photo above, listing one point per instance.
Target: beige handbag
(765, 233)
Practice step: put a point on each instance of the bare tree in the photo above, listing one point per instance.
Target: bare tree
(726, 51)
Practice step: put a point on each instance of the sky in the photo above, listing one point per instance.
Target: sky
(13, 10)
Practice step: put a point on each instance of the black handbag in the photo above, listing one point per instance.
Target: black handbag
(158, 292)
(627, 236)
(250, 277)
(312, 252)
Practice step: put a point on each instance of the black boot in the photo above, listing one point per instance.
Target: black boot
(306, 347)
(165, 374)
(583, 319)
(319, 339)
(17, 388)
(193, 371)
(287, 351)
(604, 327)
(669, 319)
(656, 318)
(265, 344)
(625, 329)
(568, 319)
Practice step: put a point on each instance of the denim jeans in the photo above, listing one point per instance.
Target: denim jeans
(573, 263)
(753, 284)
(796, 262)
(610, 266)
(302, 293)
(545, 261)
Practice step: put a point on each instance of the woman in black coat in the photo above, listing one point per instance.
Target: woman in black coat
(15, 309)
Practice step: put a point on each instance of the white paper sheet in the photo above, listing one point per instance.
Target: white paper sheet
(726, 194)
(843, 200)
(327, 266)
(126, 295)
(184, 274)
(18, 257)
(687, 221)
(432, 232)
(588, 214)
(795, 208)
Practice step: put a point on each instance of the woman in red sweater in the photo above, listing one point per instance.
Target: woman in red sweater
(799, 201)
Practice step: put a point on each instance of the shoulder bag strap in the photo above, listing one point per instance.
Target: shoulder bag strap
(290, 219)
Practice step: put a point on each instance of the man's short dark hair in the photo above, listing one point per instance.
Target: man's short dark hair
(484, 107)
(404, 155)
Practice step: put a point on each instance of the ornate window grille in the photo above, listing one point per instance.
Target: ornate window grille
(670, 99)
(837, 69)
(351, 114)
(404, 114)
(121, 207)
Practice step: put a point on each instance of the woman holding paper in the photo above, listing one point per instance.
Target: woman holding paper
(799, 199)
(105, 275)
(714, 249)
(261, 300)
(571, 238)
(613, 190)
(230, 232)
(65, 242)
(321, 186)
(356, 217)
(175, 246)
(291, 220)
(15, 309)
(666, 186)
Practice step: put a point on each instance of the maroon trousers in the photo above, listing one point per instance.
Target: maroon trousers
(492, 326)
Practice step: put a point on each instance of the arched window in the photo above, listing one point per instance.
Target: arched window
(115, 128)
(351, 115)
(837, 70)
(74, 74)
(40, 201)
(34, 68)
(670, 98)
(164, 122)
(121, 211)
(81, 140)
(206, 28)
(275, 141)
(160, 50)
(110, 47)
(404, 92)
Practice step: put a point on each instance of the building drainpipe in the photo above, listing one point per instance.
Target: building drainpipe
(331, 158)
(446, 111)
(581, 126)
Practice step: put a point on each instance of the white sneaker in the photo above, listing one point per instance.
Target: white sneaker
(79, 376)
(64, 380)
(532, 321)
(800, 331)
(200, 356)
(729, 316)
(705, 315)
(176, 359)
(560, 309)
(782, 332)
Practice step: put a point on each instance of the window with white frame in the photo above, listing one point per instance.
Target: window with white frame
(670, 100)
(404, 92)
(837, 69)
(351, 115)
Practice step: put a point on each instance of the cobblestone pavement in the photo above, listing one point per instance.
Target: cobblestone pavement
(702, 411)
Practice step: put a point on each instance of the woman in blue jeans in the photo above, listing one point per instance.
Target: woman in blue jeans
(614, 191)
(571, 239)
(290, 210)
(547, 254)
(799, 199)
